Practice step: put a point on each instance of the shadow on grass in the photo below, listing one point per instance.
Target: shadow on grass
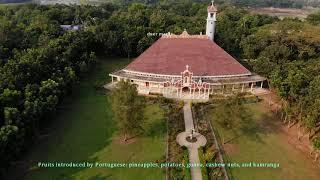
(82, 127)
(255, 130)
(155, 129)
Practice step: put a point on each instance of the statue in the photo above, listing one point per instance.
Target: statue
(191, 134)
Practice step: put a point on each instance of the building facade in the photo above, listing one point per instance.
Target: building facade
(188, 67)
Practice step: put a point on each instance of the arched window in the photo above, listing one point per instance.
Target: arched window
(186, 79)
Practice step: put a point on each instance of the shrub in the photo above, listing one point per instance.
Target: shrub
(316, 143)
(204, 171)
(186, 171)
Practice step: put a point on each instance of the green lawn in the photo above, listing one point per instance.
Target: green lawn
(84, 130)
(266, 144)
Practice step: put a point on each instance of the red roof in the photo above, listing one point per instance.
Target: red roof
(169, 56)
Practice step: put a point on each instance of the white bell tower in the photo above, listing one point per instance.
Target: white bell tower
(211, 21)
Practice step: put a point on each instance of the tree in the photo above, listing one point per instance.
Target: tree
(314, 88)
(289, 39)
(316, 143)
(263, 66)
(10, 98)
(277, 53)
(127, 108)
(8, 148)
(314, 18)
(39, 64)
(316, 147)
(49, 93)
(312, 117)
(12, 116)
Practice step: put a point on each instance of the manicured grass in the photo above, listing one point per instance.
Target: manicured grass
(265, 144)
(84, 130)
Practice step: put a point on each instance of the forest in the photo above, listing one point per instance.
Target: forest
(40, 62)
(244, 3)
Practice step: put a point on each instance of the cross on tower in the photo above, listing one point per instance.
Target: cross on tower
(212, 2)
(187, 67)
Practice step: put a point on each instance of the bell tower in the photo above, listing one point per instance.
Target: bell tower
(211, 21)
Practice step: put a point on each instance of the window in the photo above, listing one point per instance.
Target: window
(211, 14)
(147, 84)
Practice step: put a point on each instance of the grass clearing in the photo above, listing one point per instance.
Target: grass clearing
(84, 131)
(265, 144)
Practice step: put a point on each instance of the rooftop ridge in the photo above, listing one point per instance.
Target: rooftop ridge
(184, 35)
(169, 56)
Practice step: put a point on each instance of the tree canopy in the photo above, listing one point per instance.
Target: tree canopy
(127, 108)
(287, 53)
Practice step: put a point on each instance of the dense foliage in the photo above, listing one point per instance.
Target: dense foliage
(39, 62)
(38, 66)
(316, 143)
(234, 24)
(288, 53)
(252, 3)
(314, 18)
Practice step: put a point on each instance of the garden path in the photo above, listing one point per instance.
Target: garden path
(192, 147)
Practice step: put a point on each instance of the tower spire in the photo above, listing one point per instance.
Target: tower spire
(211, 20)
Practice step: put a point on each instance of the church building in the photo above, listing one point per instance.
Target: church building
(188, 67)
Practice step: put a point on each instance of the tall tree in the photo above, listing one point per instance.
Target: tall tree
(127, 108)
(314, 18)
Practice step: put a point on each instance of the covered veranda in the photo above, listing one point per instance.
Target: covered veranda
(200, 88)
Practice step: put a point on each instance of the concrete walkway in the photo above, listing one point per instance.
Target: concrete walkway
(187, 114)
(192, 147)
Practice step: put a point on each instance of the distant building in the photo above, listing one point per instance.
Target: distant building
(188, 67)
(71, 27)
(52, 2)
(69, 2)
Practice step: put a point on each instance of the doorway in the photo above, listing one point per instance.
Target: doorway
(185, 89)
